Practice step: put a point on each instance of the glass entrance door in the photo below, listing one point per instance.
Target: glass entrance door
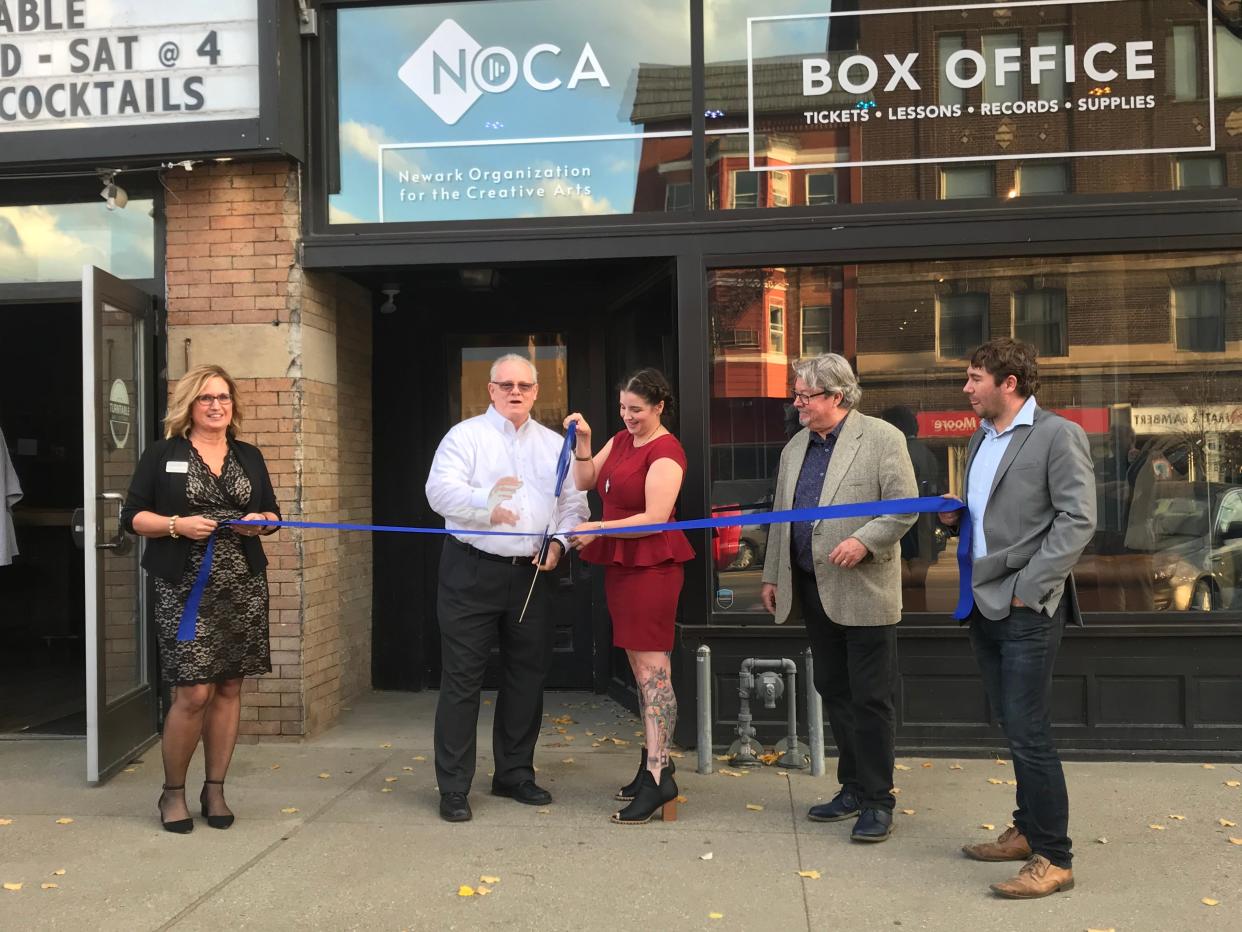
(121, 699)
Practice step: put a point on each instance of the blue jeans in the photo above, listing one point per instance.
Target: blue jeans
(1016, 656)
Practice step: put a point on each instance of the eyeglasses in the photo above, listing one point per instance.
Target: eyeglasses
(524, 387)
(805, 397)
(224, 398)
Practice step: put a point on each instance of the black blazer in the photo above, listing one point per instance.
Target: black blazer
(155, 489)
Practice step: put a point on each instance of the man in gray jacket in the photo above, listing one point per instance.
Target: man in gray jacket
(843, 576)
(1030, 489)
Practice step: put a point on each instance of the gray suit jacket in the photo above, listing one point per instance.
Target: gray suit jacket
(869, 463)
(1039, 517)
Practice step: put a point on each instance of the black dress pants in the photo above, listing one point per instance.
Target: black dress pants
(478, 604)
(855, 673)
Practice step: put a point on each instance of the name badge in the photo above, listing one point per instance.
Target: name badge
(182, 466)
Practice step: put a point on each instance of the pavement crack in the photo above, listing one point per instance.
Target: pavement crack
(797, 836)
(284, 837)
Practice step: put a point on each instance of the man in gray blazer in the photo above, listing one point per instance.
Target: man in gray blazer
(1030, 489)
(843, 576)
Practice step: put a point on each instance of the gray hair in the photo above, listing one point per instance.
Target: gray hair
(830, 373)
(514, 357)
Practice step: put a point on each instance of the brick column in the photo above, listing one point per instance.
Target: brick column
(300, 348)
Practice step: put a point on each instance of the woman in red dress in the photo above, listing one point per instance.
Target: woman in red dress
(638, 474)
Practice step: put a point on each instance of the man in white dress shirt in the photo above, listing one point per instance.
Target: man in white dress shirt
(496, 472)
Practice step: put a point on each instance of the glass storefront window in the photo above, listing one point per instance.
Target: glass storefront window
(905, 106)
(1137, 349)
(51, 242)
(511, 109)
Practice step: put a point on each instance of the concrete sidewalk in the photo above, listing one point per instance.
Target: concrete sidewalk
(342, 832)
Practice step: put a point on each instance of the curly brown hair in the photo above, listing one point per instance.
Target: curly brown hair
(1003, 357)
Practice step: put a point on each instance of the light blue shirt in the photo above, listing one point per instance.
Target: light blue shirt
(983, 471)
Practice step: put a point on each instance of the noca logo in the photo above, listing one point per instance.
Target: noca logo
(452, 70)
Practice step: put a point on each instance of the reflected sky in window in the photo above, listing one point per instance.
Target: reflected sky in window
(51, 242)
(453, 87)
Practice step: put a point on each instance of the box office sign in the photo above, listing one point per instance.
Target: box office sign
(978, 82)
(469, 111)
(77, 64)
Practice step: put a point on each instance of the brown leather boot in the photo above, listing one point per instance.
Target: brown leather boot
(1011, 846)
(1038, 877)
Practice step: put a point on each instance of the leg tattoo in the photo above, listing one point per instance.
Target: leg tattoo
(660, 707)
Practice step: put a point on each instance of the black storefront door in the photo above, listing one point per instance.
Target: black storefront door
(586, 325)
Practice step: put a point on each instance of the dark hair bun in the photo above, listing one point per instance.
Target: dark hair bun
(653, 387)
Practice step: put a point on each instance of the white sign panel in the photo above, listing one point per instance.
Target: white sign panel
(75, 64)
(1186, 419)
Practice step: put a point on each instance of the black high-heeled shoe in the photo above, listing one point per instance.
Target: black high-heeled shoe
(630, 790)
(215, 821)
(652, 797)
(177, 826)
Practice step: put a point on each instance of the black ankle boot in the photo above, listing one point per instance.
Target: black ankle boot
(630, 790)
(179, 826)
(650, 799)
(215, 821)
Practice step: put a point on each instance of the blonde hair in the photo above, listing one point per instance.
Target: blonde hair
(179, 418)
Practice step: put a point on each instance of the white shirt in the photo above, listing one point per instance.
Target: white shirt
(983, 471)
(480, 451)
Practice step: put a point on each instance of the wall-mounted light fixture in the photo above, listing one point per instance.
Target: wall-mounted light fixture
(113, 194)
(390, 304)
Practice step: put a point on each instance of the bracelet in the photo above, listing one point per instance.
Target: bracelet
(582, 459)
(601, 526)
(172, 527)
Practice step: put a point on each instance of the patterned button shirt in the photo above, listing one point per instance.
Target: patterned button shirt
(808, 491)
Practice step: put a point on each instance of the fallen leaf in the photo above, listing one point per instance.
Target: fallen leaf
(463, 890)
(1225, 823)
(705, 857)
(955, 766)
(130, 770)
(64, 821)
(567, 760)
(1179, 818)
(989, 826)
(999, 762)
(408, 769)
(563, 720)
(6, 821)
(754, 808)
(49, 886)
(491, 880)
(420, 757)
(1158, 828)
(589, 734)
(723, 757)
(385, 746)
(907, 812)
(1101, 840)
(638, 734)
(1011, 783)
(1109, 929)
(782, 773)
(928, 765)
(682, 799)
(715, 915)
(569, 737)
(770, 758)
(325, 776)
(731, 773)
(290, 810)
(896, 791)
(275, 766)
(620, 742)
(1208, 901)
(670, 753)
(59, 873)
(900, 767)
(386, 789)
(543, 811)
(562, 731)
(13, 886)
(594, 744)
(996, 782)
(1235, 841)
(1209, 766)
(1233, 783)
(484, 891)
(390, 779)
(809, 875)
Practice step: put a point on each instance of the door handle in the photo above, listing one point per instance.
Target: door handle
(119, 541)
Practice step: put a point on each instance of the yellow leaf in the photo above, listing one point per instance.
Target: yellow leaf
(731, 773)
(770, 758)
(562, 731)
(486, 879)
(754, 808)
(567, 760)
(670, 753)
(49, 886)
(64, 821)
(408, 769)
(1233, 783)
(385, 746)
(1101, 840)
(928, 765)
(1208, 901)
(715, 915)
(6, 821)
(130, 770)
(420, 757)
(1225, 823)
(463, 890)
(1235, 841)
(563, 720)
(1209, 766)
(900, 767)
(996, 782)
(543, 811)
(1178, 818)
(620, 742)
(290, 810)
(590, 734)
(484, 891)
(682, 799)
(809, 875)
(59, 873)
(896, 791)
(1011, 782)
(14, 887)
(386, 789)
(907, 812)
(999, 762)
(638, 734)
(1109, 929)
(955, 766)
(1158, 828)
(325, 776)
(275, 766)
(782, 773)
(723, 757)
(390, 779)
(989, 826)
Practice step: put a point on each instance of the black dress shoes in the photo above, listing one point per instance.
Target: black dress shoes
(873, 825)
(454, 807)
(843, 806)
(527, 792)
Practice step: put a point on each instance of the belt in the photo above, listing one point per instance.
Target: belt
(494, 557)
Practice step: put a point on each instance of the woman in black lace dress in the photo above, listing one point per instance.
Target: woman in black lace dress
(185, 485)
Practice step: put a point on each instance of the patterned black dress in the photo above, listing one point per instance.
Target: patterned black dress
(231, 635)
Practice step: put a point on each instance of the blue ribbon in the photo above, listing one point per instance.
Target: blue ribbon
(892, 506)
